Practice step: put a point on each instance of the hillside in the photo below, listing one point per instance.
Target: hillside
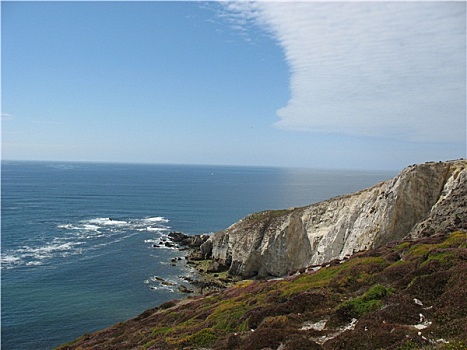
(407, 295)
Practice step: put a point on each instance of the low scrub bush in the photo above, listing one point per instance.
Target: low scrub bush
(370, 301)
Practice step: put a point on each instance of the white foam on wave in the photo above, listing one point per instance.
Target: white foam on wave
(155, 223)
(9, 261)
(81, 236)
(45, 251)
(67, 227)
(34, 256)
(90, 227)
(155, 229)
(79, 227)
(156, 219)
(107, 222)
(170, 289)
(91, 236)
(9, 258)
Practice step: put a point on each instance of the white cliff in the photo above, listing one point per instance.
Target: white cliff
(421, 200)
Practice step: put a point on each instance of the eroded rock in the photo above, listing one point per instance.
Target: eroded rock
(422, 200)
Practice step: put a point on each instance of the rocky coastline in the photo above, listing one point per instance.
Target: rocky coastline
(407, 295)
(422, 200)
(383, 268)
(208, 278)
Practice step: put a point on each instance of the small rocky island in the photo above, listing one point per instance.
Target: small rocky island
(383, 268)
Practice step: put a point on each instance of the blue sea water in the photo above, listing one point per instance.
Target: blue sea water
(77, 239)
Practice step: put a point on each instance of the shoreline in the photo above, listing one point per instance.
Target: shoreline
(203, 280)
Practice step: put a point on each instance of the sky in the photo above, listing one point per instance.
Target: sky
(349, 85)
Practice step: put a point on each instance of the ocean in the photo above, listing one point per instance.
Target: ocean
(77, 239)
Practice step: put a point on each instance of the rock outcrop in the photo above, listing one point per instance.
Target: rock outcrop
(189, 241)
(422, 200)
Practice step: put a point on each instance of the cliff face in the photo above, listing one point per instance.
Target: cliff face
(422, 200)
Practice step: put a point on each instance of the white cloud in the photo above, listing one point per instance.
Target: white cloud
(393, 69)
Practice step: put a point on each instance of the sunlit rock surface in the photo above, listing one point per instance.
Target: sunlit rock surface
(421, 200)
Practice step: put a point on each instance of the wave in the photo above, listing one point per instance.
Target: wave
(156, 219)
(153, 229)
(78, 237)
(158, 283)
(9, 259)
(107, 222)
(35, 256)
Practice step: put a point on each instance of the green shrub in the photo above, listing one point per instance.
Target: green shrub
(443, 257)
(370, 301)
(377, 292)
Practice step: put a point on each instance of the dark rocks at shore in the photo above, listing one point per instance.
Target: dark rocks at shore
(162, 282)
(211, 275)
(184, 289)
(195, 255)
(205, 283)
(185, 240)
(199, 246)
(198, 256)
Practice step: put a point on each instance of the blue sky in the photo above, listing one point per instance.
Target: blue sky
(305, 84)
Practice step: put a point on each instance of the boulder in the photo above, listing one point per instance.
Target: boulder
(184, 289)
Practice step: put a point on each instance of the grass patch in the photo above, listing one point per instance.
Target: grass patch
(202, 338)
(456, 239)
(161, 331)
(370, 301)
(443, 258)
(358, 272)
(227, 315)
(402, 246)
(305, 282)
(419, 251)
(422, 251)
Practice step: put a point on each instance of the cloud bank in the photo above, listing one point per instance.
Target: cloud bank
(380, 69)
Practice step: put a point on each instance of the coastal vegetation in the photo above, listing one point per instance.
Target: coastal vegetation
(406, 295)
